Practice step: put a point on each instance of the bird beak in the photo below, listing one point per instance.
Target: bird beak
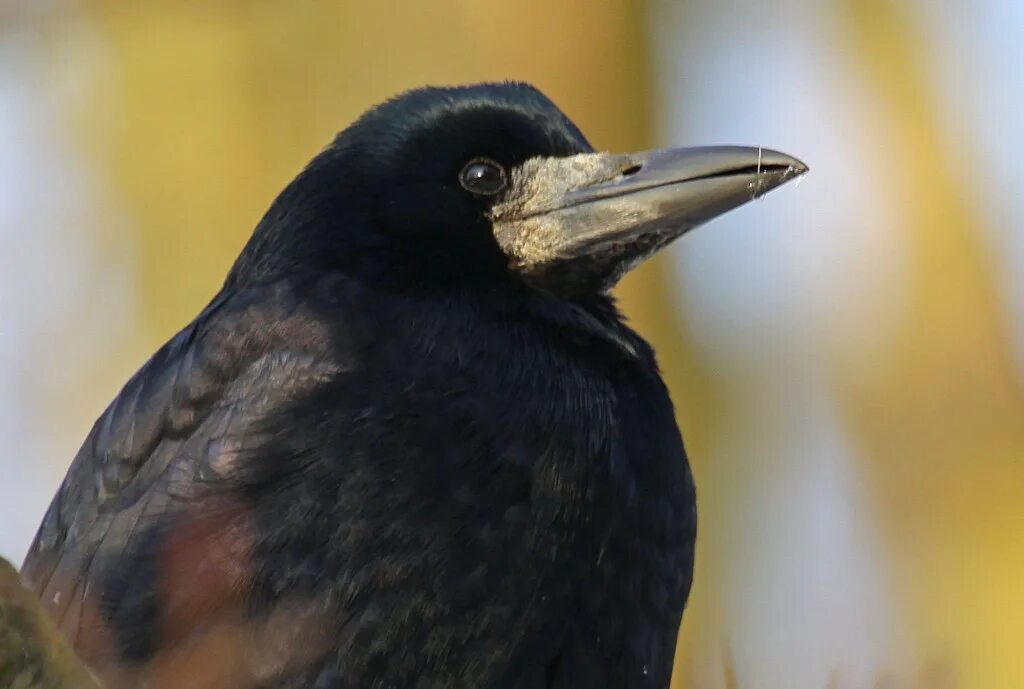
(602, 214)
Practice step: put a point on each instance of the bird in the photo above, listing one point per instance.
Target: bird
(411, 442)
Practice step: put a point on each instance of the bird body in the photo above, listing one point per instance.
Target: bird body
(393, 451)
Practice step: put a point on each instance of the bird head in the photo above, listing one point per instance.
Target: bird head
(491, 183)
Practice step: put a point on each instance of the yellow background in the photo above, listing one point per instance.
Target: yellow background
(193, 115)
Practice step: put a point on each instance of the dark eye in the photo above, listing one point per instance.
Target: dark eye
(482, 176)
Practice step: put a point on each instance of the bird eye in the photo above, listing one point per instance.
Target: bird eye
(484, 177)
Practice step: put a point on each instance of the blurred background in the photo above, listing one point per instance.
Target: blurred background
(847, 356)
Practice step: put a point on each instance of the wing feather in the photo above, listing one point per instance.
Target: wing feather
(174, 435)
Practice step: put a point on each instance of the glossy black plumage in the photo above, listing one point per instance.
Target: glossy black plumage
(381, 458)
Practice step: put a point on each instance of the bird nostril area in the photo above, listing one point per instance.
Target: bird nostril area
(631, 169)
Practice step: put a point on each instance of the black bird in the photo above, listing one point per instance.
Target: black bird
(411, 442)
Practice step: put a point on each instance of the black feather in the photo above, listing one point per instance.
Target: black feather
(443, 476)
